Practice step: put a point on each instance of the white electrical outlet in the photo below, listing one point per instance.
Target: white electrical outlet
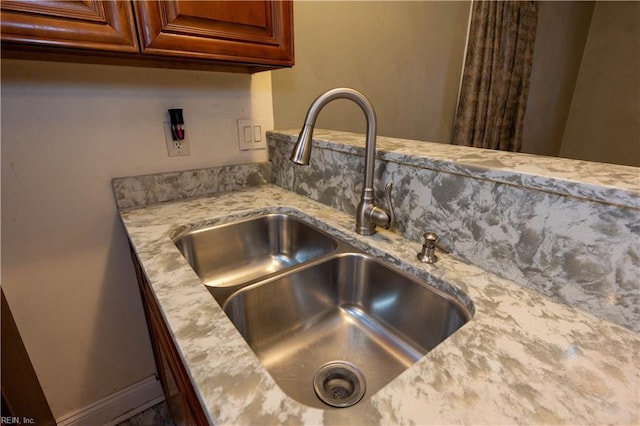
(252, 134)
(175, 148)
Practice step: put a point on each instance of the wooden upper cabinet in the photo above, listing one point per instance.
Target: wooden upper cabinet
(254, 35)
(252, 32)
(100, 25)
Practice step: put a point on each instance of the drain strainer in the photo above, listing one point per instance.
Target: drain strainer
(339, 384)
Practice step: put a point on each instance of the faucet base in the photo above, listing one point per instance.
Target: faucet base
(365, 230)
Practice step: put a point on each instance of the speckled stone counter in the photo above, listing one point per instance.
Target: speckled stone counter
(523, 358)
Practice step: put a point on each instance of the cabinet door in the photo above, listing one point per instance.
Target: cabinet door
(250, 32)
(88, 24)
(22, 395)
(179, 393)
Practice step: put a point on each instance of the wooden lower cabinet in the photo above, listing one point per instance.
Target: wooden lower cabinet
(22, 397)
(180, 395)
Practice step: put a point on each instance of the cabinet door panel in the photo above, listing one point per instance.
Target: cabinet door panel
(88, 24)
(258, 32)
(223, 13)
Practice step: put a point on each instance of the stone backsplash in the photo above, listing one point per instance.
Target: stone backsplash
(136, 191)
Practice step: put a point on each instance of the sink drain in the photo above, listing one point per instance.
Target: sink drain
(339, 384)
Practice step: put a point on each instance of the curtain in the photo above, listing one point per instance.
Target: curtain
(495, 82)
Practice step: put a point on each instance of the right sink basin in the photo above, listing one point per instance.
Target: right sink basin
(336, 330)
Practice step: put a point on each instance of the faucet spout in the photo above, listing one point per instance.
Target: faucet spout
(302, 150)
(368, 215)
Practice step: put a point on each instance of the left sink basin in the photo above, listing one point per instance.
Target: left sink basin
(230, 256)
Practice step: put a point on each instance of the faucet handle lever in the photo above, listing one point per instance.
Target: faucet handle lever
(377, 215)
(387, 195)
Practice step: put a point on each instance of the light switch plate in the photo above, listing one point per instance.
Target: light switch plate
(251, 134)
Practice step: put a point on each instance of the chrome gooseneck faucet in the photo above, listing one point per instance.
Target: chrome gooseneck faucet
(369, 215)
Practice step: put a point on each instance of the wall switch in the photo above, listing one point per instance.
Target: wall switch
(176, 148)
(251, 134)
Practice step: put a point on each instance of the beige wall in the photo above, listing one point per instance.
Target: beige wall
(562, 31)
(67, 129)
(604, 119)
(405, 56)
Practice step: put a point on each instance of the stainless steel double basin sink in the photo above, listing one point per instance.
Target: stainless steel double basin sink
(331, 324)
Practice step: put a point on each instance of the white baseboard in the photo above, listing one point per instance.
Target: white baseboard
(117, 407)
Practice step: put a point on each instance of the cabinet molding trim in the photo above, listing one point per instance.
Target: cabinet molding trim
(118, 406)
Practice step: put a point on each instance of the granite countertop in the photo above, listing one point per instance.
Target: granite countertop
(522, 358)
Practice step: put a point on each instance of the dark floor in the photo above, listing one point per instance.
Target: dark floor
(158, 415)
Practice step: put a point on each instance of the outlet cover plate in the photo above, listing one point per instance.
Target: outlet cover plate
(176, 148)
